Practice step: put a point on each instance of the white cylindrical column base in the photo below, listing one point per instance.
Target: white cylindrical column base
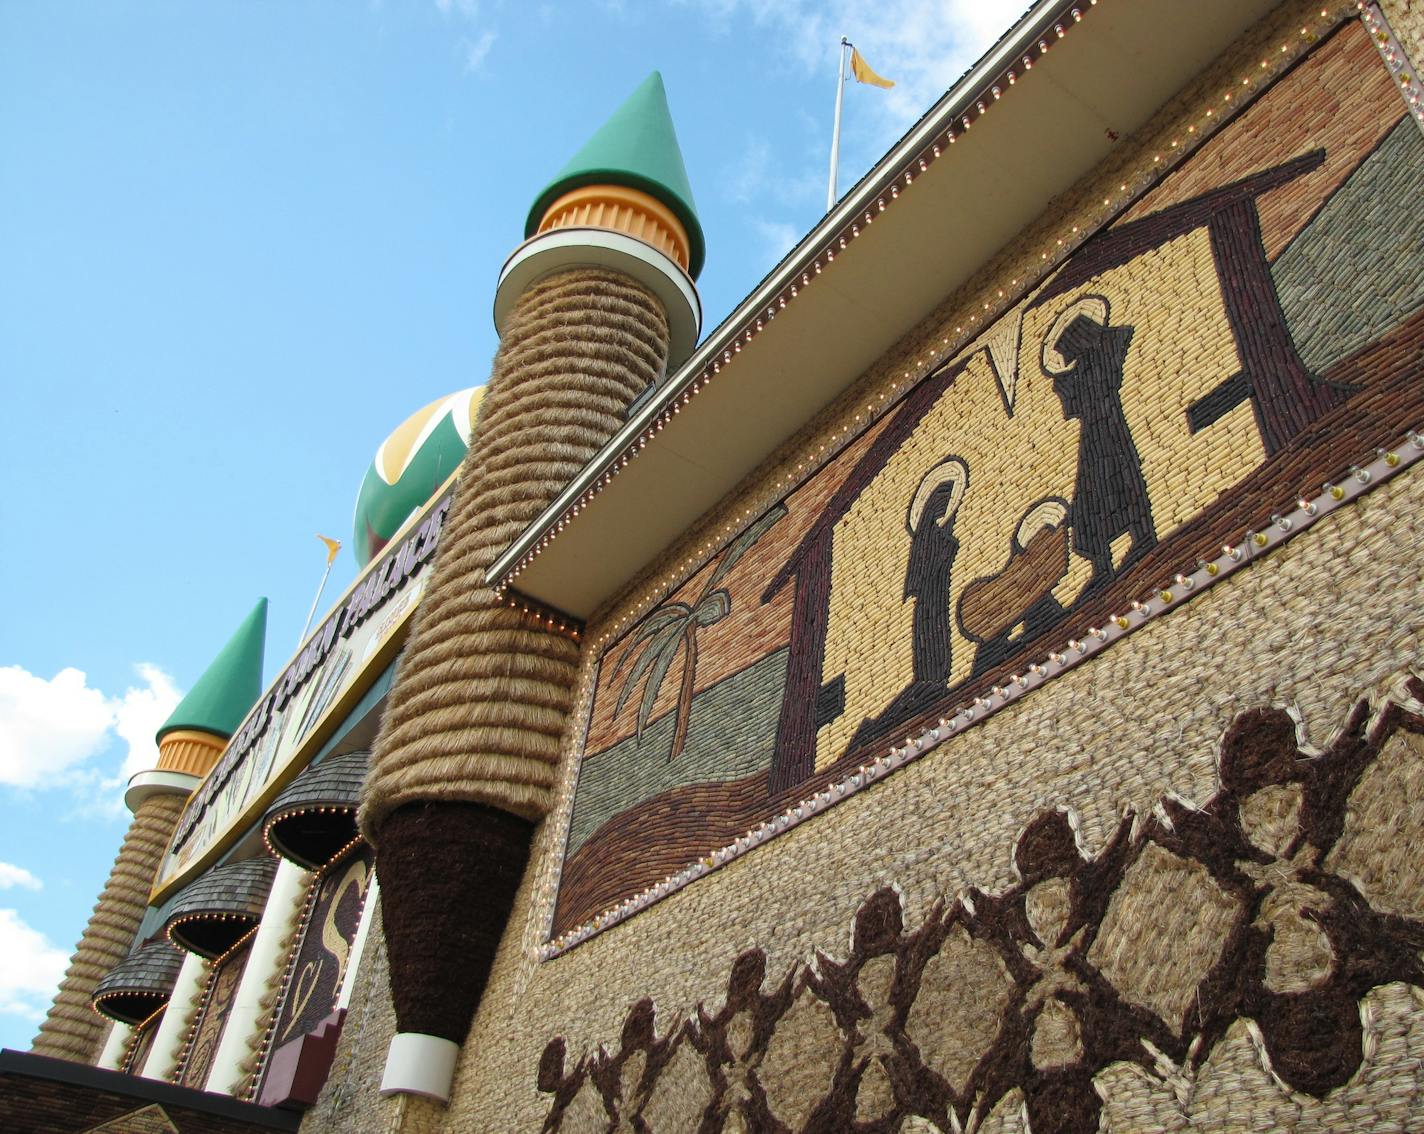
(182, 1003)
(284, 903)
(420, 1065)
(112, 1057)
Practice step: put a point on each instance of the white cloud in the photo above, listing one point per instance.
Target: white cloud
(755, 176)
(748, 176)
(12, 875)
(48, 728)
(472, 50)
(476, 51)
(32, 970)
(140, 713)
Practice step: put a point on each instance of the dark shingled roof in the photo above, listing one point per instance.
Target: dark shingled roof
(140, 984)
(314, 818)
(215, 911)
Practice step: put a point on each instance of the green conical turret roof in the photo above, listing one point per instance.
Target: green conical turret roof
(636, 148)
(229, 686)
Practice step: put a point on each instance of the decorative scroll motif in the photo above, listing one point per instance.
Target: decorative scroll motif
(1226, 347)
(212, 1016)
(321, 951)
(1280, 914)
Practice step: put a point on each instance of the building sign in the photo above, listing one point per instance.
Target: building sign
(282, 731)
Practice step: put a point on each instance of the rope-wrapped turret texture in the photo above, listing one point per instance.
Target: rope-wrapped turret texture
(479, 705)
(73, 1030)
(466, 759)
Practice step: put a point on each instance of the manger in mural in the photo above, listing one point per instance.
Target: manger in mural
(1240, 335)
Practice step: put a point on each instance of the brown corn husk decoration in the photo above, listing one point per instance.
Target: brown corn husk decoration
(468, 751)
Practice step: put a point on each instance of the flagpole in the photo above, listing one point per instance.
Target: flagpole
(836, 130)
(332, 547)
(312, 612)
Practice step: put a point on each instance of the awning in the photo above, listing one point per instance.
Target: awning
(853, 289)
(217, 910)
(314, 819)
(140, 984)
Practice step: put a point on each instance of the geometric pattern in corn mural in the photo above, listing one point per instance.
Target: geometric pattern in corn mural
(1241, 334)
(1253, 963)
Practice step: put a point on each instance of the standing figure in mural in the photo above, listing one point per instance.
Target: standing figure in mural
(933, 546)
(1286, 398)
(809, 702)
(1084, 355)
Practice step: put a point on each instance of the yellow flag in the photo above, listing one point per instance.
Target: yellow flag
(332, 547)
(863, 74)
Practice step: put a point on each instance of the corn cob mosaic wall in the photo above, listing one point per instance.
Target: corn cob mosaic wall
(1245, 964)
(218, 997)
(321, 952)
(1233, 343)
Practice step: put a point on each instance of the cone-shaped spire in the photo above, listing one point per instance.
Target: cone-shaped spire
(637, 148)
(229, 686)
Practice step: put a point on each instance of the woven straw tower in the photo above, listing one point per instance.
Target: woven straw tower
(589, 310)
(189, 744)
(72, 1029)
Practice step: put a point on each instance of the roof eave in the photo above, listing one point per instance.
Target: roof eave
(619, 513)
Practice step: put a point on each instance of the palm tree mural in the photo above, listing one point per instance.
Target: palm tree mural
(672, 629)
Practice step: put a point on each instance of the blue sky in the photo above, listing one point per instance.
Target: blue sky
(241, 242)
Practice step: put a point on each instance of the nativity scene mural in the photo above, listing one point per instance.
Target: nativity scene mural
(1239, 335)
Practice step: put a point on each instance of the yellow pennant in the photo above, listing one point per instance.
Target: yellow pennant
(863, 74)
(332, 547)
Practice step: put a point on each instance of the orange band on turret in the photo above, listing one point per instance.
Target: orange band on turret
(622, 210)
(189, 751)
